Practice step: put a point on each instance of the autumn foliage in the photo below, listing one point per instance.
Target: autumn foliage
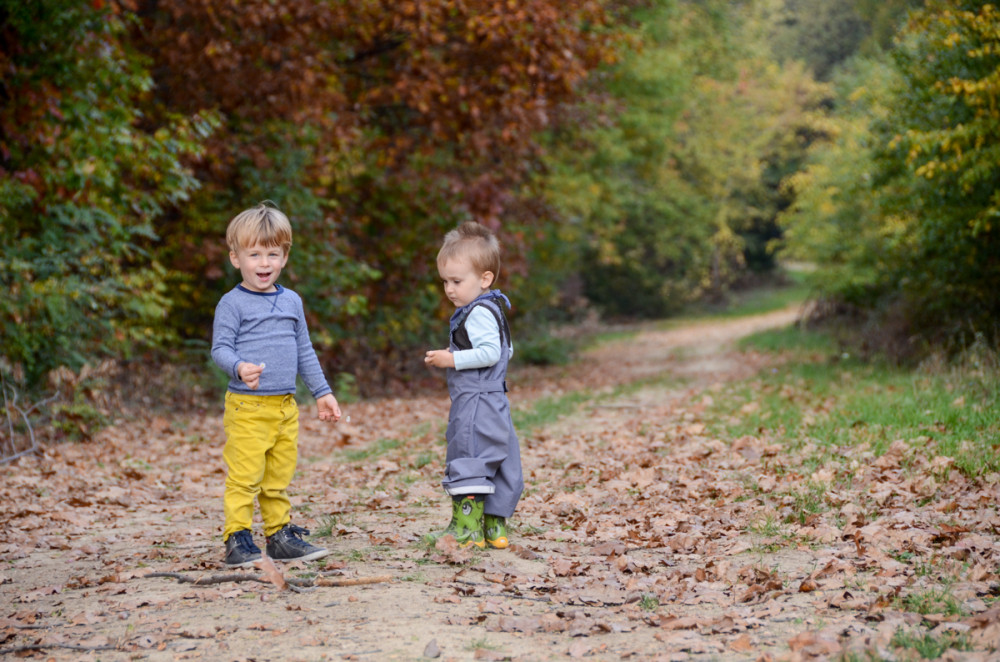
(388, 123)
(377, 125)
(633, 156)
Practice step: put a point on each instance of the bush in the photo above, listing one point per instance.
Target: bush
(83, 183)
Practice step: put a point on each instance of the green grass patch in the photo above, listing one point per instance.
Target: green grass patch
(795, 339)
(324, 528)
(482, 643)
(929, 646)
(788, 289)
(548, 410)
(836, 402)
(423, 459)
(930, 601)
(649, 602)
(811, 500)
(380, 447)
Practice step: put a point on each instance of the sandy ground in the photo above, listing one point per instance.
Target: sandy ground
(612, 560)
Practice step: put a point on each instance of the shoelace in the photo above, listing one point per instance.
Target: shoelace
(297, 531)
(244, 542)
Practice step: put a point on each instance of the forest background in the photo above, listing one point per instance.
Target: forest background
(634, 157)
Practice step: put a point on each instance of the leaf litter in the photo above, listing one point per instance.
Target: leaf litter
(639, 536)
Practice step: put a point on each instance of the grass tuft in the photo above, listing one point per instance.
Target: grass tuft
(838, 404)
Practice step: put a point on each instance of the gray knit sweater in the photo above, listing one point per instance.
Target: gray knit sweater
(269, 328)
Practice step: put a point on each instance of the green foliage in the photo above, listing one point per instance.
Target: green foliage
(673, 186)
(82, 185)
(884, 18)
(542, 348)
(942, 164)
(836, 222)
(820, 33)
(900, 212)
(826, 35)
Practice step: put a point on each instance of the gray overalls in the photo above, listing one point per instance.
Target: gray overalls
(484, 456)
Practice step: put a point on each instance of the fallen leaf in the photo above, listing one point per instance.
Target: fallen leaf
(271, 572)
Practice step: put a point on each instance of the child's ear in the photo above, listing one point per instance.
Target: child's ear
(234, 259)
(487, 280)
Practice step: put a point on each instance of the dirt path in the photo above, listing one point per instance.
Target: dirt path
(639, 537)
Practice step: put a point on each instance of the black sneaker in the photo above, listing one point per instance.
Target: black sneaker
(240, 550)
(288, 545)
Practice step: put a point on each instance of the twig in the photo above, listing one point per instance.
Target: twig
(39, 647)
(515, 596)
(352, 581)
(294, 583)
(212, 579)
(12, 403)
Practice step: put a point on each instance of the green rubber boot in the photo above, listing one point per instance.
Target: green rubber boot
(495, 531)
(466, 522)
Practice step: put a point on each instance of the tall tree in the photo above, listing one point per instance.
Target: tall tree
(675, 177)
(378, 125)
(901, 215)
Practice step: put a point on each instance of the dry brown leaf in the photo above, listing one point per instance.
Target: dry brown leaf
(450, 551)
(523, 552)
(271, 572)
(742, 644)
(813, 643)
(807, 586)
(678, 623)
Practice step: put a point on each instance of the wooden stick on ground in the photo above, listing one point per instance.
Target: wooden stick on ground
(352, 581)
(293, 582)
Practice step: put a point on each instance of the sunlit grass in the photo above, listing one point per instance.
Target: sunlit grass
(380, 447)
(790, 290)
(930, 601)
(548, 410)
(826, 398)
(811, 500)
(930, 646)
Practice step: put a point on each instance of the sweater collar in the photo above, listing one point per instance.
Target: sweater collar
(278, 289)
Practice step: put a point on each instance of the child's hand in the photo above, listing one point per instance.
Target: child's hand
(329, 410)
(439, 358)
(250, 374)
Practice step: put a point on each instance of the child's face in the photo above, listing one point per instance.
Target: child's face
(259, 265)
(461, 282)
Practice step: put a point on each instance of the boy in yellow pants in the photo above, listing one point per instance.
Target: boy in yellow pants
(260, 339)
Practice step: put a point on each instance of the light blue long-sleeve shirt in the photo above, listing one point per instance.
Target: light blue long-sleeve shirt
(484, 334)
(269, 328)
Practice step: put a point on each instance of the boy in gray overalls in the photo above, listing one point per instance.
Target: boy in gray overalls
(483, 462)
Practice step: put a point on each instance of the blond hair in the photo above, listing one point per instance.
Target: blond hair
(473, 242)
(264, 224)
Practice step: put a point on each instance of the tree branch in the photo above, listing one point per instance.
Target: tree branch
(293, 582)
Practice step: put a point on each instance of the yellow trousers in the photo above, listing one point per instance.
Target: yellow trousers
(262, 436)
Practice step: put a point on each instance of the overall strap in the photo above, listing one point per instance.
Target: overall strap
(460, 336)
